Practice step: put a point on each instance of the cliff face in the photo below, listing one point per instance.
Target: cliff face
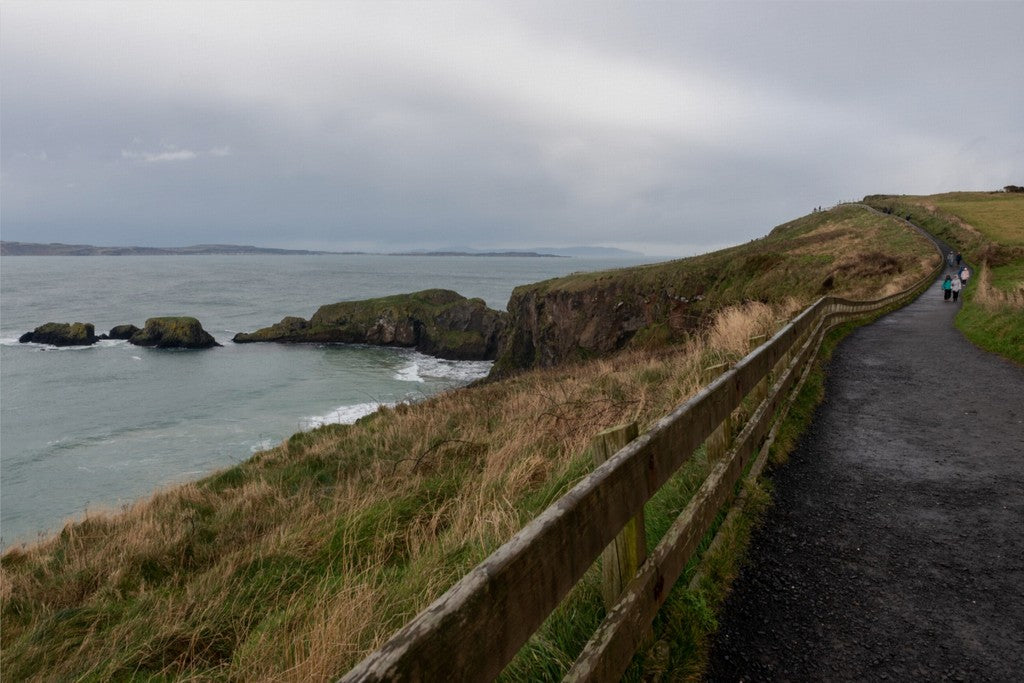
(847, 251)
(439, 322)
(549, 325)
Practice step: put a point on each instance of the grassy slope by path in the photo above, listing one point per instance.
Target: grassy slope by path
(297, 562)
(988, 229)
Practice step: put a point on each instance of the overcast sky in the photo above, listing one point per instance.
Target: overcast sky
(672, 128)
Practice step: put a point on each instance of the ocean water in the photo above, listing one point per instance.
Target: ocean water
(97, 427)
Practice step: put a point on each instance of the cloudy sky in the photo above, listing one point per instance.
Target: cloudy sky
(671, 128)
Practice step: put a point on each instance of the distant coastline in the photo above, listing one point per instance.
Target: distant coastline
(58, 249)
(522, 254)
(9, 248)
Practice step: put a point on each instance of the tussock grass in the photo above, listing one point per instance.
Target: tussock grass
(296, 563)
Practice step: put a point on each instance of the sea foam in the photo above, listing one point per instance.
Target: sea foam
(410, 373)
(343, 415)
(101, 344)
(423, 366)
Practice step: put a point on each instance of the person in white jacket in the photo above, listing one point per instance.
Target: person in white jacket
(956, 287)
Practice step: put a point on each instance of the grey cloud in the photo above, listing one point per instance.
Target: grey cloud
(416, 125)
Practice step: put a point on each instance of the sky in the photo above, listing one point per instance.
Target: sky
(669, 128)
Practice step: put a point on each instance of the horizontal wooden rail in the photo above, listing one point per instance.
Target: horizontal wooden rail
(472, 631)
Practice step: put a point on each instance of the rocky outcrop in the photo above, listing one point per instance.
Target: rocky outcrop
(438, 322)
(555, 322)
(122, 332)
(173, 333)
(62, 334)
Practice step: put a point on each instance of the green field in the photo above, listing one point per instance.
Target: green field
(988, 228)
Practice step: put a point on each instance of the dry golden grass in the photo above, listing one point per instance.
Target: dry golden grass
(995, 298)
(296, 563)
(183, 561)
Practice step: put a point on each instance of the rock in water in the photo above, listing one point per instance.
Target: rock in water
(62, 334)
(122, 332)
(173, 333)
(439, 322)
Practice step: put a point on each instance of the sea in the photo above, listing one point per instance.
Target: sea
(95, 428)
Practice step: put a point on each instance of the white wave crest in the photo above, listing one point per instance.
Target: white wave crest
(262, 445)
(343, 415)
(458, 370)
(410, 373)
(101, 344)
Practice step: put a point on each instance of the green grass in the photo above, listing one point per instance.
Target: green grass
(998, 216)
(999, 329)
(1008, 277)
(298, 561)
(988, 228)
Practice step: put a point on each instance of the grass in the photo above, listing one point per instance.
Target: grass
(998, 216)
(296, 563)
(988, 228)
(847, 251)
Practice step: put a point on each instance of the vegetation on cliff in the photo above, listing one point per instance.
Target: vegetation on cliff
(988, 230)
(180, 332)
(844, 251)
(62, 334)
(294, 564)
(438, 322)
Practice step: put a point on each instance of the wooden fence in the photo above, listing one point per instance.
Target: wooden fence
(472, 631)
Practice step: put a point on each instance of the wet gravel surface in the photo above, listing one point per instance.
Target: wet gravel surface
(895, 547)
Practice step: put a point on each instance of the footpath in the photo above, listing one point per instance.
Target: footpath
(895, 546)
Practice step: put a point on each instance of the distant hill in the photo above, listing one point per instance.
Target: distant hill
(58, 249)
(591, 252)
(519, 254)
(578, 252)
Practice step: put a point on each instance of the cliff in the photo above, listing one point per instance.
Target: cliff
(585, 315)
(177, 332)
(438, 322)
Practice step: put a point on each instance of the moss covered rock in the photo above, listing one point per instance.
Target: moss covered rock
(62, 334)
(122, 332)
(439, 322)
(173, 333)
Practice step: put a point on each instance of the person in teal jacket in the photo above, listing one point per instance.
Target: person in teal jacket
(947, 288)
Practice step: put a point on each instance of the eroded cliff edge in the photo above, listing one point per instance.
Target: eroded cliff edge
(845, 251)
(586, 315)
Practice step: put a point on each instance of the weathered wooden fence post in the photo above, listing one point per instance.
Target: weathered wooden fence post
(627, 552)
(717, 445)
(761, 390)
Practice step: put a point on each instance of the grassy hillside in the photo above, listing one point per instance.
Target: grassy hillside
(844, 251)
(988, 229)
(294, 564)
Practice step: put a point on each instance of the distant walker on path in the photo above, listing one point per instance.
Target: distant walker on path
(955, 286)
(947, 287)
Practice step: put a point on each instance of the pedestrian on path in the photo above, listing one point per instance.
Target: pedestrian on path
(949, 258)
(958, 257)
(955, 287)
(965, 273)
(947, 288)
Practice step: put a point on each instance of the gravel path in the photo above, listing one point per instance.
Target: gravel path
(895, 547)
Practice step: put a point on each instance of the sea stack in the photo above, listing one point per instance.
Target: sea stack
(438, 322)
(122, 332)
(180, 332)
(62, 334)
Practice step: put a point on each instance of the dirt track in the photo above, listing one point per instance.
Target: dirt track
(895, 548)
